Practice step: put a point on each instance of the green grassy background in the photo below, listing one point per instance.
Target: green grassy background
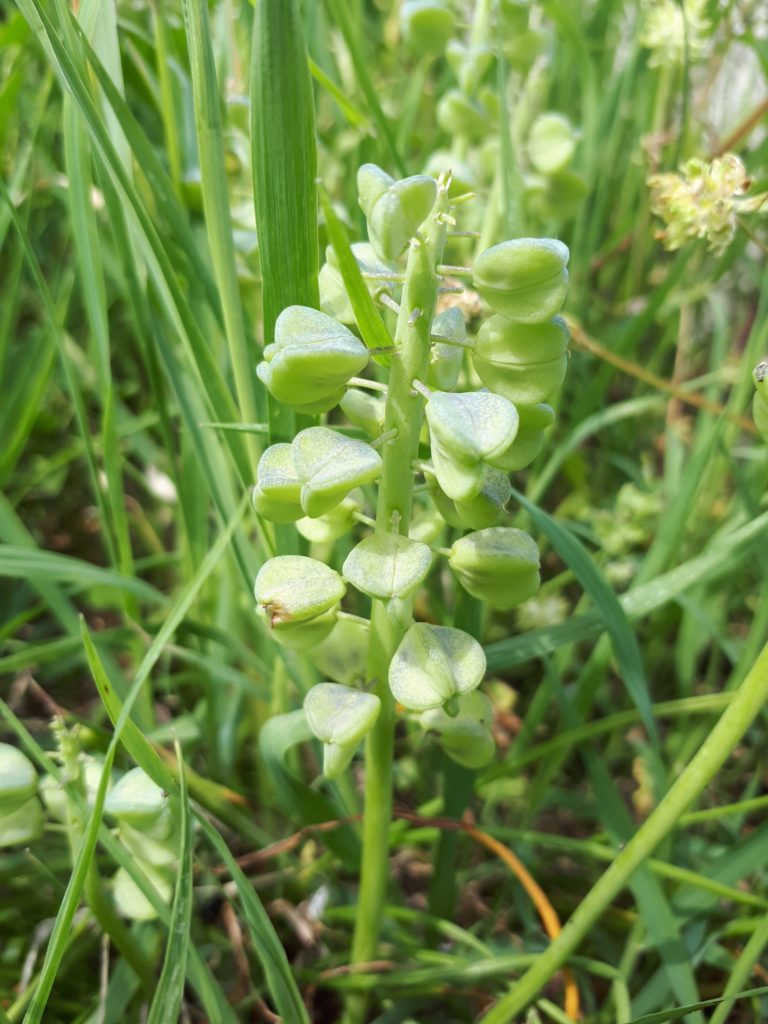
(134, 299)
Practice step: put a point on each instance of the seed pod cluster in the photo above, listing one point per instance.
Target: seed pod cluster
(464, 440)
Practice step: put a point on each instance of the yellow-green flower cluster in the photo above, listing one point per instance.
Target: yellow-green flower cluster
(674, 32)
(703, 201)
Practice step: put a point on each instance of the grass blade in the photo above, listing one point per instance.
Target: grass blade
(170, 988)
(624, 642)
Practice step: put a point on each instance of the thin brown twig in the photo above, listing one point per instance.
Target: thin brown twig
(583, 341)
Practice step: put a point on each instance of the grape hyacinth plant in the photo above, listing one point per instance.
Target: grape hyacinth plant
(446, 435)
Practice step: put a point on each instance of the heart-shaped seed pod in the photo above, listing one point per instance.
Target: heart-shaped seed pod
(488, 504)
(299, 598)
(276, 495)
(394, 209)
(535, 420)
(426, 25)
(457, 114)
(523, 362)
(551, 143)
(468, 429)
(364, 410)
(387, 566)
(467, 737)
(131, 901)
(18, 778)
(328, 528)
(139, 802)
(760, 401)
(311, 360)
(339, 717)
(525, 279)
(329, 465)
(433, 665)
(22, 825)
(499, 565)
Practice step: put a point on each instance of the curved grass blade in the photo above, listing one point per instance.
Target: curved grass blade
(170, 988)
(623, 639)
(663, 1016)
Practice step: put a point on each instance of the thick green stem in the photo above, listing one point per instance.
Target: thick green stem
(404, 416)
(713, 753)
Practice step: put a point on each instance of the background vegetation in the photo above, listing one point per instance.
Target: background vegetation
(131, 318)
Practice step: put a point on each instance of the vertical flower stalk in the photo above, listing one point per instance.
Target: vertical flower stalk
(404, 414)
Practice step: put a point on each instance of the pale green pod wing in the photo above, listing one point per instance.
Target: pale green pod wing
(131, 901)
(466, 737)
(472, 425)
(329, 466)
(426, 25)
(466, 429)
(303, 636)
(434, 664)
(488, 504)
(387, 566)
(293, 589)
(499, 565)
(343, 655)
(523, 362)
(22, 825)
(18, 778)
(551, 143)
(304, 327)
(525, 279)
(276, 475)
(137, 800)
(275, 511)
(396, 214)
(363, 410)
(334, 524)
(372, 183)
(339, 717)
(535, 420)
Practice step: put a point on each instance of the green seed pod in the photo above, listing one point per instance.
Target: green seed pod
(557, 196)
(499, 565)
(446, 358)
(525, 279)
(149, 849)
(551, 143)
(329, 465)
(394, 209)
(139, 802)
(426, 25)
(467, 737)
(339, 717)
(364, 410)
(18, 778)
(534, 421)
(343, 655)
(277, 493)
(131, 901)
(433, 665)
(468, 429)
(457, 114)
(311, 360)
(387, 566)
(488, 504)
(334, 524)
(523, 362)
(760, 401)
(22, 825)
(299, 597)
